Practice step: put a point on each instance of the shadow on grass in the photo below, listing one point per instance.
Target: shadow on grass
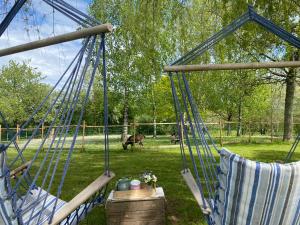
(166, 163)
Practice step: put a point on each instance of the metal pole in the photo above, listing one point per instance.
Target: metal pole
(104, 28)
(11, 15)
(231, 66)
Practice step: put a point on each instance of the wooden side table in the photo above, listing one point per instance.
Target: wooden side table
(136, 211)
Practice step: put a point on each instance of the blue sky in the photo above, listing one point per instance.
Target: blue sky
(50, 61)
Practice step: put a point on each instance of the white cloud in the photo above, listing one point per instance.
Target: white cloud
(50, 61)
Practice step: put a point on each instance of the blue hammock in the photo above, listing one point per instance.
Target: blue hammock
(293, 149)
(235, 191)
(25, 184)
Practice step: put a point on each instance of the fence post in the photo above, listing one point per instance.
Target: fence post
(83, 136)
(249, 128)
(181, 130)
(43, 131)
(0, 133)
(272, 131)
(221, 127)
(17, 133)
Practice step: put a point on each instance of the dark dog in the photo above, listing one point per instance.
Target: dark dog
(174, 138)
(139, 138)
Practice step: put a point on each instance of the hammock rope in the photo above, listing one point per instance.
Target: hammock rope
(63, 7)
(79, 18)
(42, 104)
(293, 149)
(179, 124)
(249, 16)
(219, 189)
(105, 100)
(70, 94)
(202, 157)
(201, 153)
(10, 16)
(67, 121)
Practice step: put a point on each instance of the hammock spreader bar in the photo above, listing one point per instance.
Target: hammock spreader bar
(231, 66)
(86, 32)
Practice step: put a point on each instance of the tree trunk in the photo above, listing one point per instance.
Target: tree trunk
(125, 117)
(289, 105)
(229, 118)
(154, 127)
(153, 107)
(289, 101)
(154, 114)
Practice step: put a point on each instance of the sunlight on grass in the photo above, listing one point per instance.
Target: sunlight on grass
(165, 162)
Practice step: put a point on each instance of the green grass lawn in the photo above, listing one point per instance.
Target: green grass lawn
(161, 158)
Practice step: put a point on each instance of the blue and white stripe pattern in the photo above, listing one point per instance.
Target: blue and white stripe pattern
(255, 193)
(38, 206)
(40, 215)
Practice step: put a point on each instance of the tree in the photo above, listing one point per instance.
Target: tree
(139, 47)
(20, 85)
(150, 34)
(271, 48)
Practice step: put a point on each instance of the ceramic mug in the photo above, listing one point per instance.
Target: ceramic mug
(123, 184)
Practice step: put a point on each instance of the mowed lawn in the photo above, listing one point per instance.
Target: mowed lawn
(161, 158)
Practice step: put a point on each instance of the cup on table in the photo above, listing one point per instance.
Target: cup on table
(135, 185)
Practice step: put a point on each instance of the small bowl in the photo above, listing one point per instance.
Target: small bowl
(135, 185)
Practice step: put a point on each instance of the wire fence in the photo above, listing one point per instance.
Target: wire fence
(223, 132)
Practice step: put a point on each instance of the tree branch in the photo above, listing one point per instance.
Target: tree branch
(277, 74)
(296, 3)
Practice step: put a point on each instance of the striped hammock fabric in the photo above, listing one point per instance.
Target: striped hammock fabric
(255, 193)
(38, 208)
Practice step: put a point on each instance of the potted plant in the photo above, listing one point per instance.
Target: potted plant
(149, 179)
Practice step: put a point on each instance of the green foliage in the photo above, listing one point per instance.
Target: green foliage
(21, 91)
(151, 34)
(145, 39)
